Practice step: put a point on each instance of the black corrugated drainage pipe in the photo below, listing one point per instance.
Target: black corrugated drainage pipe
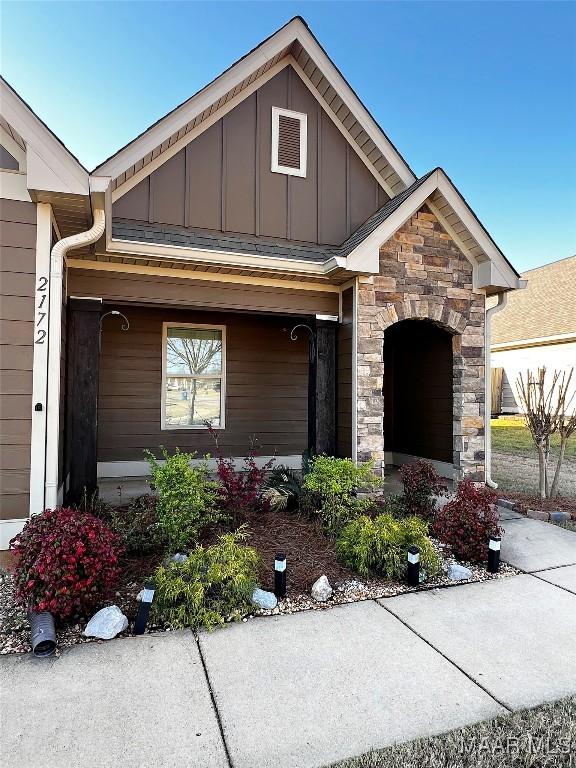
(43, 633)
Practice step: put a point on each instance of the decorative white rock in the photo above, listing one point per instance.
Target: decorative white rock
(179, 558)
(107, 623)
(263, 599)
(458, 572)
(321, 589)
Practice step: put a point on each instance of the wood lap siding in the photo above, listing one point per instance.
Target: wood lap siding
(222, 180)
(344, 373)
(17, 279)
(266, 387)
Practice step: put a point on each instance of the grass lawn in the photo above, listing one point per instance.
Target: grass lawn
(544, 737)
(511, 435)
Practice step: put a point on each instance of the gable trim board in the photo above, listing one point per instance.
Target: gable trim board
(217, 92)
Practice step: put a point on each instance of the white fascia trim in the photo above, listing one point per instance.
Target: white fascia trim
(40, 357)
(128, 469)
(69, 175)
(184, 114)
(366, 255)
(160, 250)
(9, 529)
(536, 341)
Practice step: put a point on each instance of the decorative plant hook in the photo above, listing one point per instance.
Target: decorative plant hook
(294, 337)
(124, 327)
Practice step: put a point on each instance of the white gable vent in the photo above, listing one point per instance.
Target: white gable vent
(289, 134)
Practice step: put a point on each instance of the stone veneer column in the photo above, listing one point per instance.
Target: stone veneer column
(423, 275)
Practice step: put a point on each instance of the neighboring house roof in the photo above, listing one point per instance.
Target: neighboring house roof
(545, 309)
(292, 44)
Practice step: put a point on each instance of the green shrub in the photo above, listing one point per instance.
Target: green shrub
(282, 489)
(187, 498)
(391, 505)
(379, 545)
(137, 525)
(330, 490)
(214, 585)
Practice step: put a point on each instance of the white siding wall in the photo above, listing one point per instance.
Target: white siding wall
(553, 357)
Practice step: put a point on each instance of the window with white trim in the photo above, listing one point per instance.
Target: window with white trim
(193, 376)
(289, 142)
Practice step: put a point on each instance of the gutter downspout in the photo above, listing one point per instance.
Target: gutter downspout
(502, 299)
(59, 251)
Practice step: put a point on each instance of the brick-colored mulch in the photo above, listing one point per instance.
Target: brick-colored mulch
(309, 553)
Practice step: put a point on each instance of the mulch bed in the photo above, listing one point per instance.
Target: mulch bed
(526, 501)
(309, 553)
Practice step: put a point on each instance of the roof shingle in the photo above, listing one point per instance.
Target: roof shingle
(546, 307)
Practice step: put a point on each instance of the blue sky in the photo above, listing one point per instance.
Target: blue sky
(485, 90)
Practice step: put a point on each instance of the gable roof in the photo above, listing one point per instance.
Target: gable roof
(293, 44)
(546, 308)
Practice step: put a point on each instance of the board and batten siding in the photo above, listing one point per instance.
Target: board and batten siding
(137, 288)
(344, 374)
(222, 180)
(266, 387)
(17, 278)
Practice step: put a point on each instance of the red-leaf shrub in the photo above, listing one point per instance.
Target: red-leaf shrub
(421, 482)
(467, 522)
(240, 492)
(67, 562)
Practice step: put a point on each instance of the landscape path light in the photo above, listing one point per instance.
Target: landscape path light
(413, 571)
(280, 575)
(144, 608)
(494, 554)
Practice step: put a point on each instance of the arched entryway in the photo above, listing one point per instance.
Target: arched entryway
(418, 392)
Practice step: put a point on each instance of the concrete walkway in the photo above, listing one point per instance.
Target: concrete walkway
(304, 690)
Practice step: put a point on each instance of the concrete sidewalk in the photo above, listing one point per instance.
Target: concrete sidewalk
(304, 690)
